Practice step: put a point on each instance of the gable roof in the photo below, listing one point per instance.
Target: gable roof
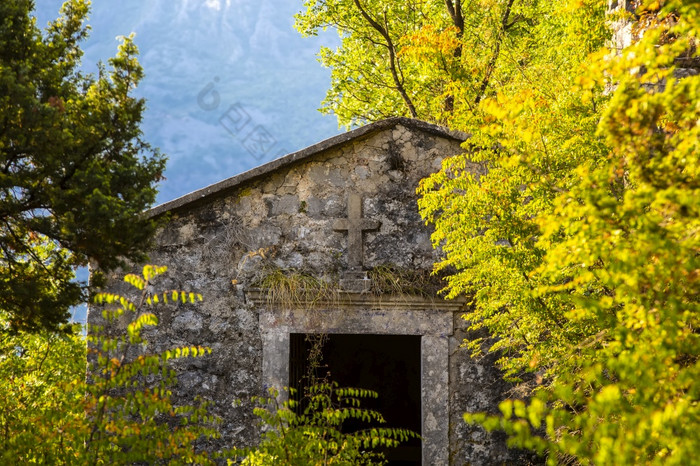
(222, 187)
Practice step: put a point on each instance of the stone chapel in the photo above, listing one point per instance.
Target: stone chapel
(328, 240)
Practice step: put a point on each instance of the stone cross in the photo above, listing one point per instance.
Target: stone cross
(355, 225)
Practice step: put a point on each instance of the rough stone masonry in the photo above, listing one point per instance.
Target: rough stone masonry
(333, 213)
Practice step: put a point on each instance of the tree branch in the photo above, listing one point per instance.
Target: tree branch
(392, 58)
(492, 62)
(455, 12)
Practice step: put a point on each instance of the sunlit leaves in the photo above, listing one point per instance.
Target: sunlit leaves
(41, 391)
(315, 437)
(579, 246)
(174, 296)
(121, 414)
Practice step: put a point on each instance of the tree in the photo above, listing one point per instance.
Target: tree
(433, 60)
(75, 173)
(579, 246)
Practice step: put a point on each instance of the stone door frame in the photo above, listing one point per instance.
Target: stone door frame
(360, 314)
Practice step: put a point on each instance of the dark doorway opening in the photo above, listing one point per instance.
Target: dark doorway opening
(387, 364)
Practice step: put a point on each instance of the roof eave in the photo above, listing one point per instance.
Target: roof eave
(221, 187)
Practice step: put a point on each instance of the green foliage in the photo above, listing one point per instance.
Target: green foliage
(316, 437)
(42, 389)
(433, 60)
(75, 173)
(578, 239)
(133, 418)
(367, 69)
(580, 249)
(121, 413)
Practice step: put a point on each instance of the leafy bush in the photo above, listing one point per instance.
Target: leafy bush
(53, 411)
(42, 391)
(316, 437)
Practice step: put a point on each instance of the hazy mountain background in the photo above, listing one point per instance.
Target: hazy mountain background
(244, 58)
(240, 60)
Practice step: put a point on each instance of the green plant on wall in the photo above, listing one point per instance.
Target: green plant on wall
(295, 289)
(291, 288)
(393, 280)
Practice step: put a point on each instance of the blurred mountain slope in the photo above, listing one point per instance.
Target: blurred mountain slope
(209, 62)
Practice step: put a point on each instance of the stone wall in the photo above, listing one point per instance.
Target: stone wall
(225, 245)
